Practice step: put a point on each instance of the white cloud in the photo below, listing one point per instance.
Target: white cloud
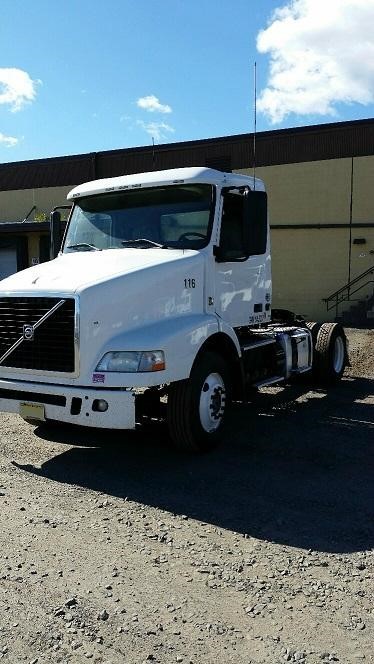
(8, 141)
(152, 104)
(157, 130)
(321, 54)
(16, 88)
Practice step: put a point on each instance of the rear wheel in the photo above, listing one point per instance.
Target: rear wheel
(314, 329)
(330, 354)
(197, 406)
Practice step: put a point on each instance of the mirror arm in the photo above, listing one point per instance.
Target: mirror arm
(247, 221)
(55, 225)
(218, 254)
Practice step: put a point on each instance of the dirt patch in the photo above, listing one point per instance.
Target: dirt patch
(361, 352)
(117, 549)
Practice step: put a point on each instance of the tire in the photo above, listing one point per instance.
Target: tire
(197, 406)
(314, 329)
(330, 353)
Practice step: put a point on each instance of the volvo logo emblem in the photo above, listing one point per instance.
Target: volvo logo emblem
(28, 332)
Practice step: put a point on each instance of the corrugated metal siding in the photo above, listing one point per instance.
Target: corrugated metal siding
(46, 172)
(285, 146)
(313, 144)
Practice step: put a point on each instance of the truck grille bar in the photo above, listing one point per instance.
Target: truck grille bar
(37, 333)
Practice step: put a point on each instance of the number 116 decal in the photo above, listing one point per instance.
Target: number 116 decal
(189, 283)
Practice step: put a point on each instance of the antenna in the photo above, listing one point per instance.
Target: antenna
(153, 154)
(255, 124)
(28, 214)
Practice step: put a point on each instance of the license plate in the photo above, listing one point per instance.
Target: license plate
(32, 411)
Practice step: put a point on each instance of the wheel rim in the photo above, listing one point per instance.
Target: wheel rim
(339, 354)
(212, 402)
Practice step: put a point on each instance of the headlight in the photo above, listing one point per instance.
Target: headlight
(132, 361)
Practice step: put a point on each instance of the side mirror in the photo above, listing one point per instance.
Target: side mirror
(55, 228)
(256, 222)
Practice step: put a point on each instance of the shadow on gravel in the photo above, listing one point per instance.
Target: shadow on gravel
(297, 468)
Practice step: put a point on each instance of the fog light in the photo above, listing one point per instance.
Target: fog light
(100, 405)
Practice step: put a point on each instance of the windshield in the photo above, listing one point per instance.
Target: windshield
(169, 217)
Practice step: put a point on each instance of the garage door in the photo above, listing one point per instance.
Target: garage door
(8, 262)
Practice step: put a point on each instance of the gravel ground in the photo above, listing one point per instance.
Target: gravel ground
(117, 549)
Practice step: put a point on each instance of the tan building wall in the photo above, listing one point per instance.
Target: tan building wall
(14, 205)
(363, 189)
(299, 194)
(309, 264)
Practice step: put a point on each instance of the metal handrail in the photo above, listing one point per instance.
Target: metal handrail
(350, 283)
(342, 299)
(346, 291)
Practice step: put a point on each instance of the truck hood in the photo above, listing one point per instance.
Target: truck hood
(124, 298)
(73, 272)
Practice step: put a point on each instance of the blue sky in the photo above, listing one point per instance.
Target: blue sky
(83, 75)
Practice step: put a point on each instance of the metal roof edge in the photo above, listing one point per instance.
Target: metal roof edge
(289, 131)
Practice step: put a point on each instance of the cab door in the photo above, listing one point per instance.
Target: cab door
(242, 259)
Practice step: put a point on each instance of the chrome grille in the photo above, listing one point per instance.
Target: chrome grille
(51, 347)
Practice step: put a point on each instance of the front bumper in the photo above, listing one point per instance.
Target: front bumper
(76, 405)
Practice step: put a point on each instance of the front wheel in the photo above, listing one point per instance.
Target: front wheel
(330, 354)
(197, 406)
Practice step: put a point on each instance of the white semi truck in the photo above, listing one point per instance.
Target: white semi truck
(158, 305)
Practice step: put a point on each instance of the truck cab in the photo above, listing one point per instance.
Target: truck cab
(158, 303)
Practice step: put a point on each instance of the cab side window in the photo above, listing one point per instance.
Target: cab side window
(244, 225)
(232, 242)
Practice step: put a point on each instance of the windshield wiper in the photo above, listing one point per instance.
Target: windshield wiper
(83, 245)
(142, 240)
